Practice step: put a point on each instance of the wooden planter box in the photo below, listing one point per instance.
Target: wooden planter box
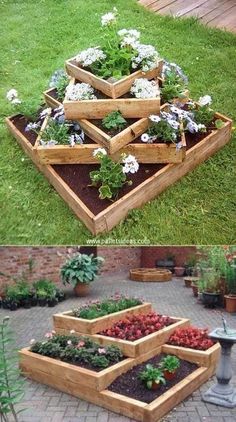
(76, 374)
(115, 89)
(150, 274)
(134, 349)
(68, 322)
(83, 154)
(67, 380)
(164, 177)
(97, 109)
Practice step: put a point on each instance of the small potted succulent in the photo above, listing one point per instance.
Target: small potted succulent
(152, 377)
(80, 271)
(169, 366)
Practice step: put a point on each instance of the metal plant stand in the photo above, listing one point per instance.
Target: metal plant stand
(223, 393)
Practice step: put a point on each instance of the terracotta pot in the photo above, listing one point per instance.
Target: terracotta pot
(187, 282)
(179, 271)
(155, 385)
(230, 303)
(195, 289)
(81, 289)
(169, 375)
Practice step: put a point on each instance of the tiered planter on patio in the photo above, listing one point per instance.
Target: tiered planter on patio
(156, 178)
(111, 89)
(150, 274)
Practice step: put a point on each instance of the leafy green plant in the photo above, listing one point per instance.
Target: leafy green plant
(81, 268)
(203, 115)
(151, 374)
(41, 294)
(11, 385)
(47, 348)
(231, 278)
(100, 361)
(162, 130)
(58, 132)
(170, 363)
(105, 307)
(173, 86)
(114, 120)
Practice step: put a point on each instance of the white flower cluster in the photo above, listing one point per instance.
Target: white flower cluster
(130, 164)
(87, 57)
(32, 126)
(80, 91)
(169, 68)
(146, 57)
(129, 38)
(143, 88)
(206, 100)
(12, 96)
(109, 18)
(99, 152)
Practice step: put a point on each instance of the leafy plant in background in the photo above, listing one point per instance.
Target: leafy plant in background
(11, 385)
(81, 268)
(114, 120)
(231, 278)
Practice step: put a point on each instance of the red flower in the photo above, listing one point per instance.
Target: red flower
(191, 337)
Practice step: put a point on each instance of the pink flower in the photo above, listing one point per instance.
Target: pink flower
(80, 344)
(102, 351)
(49, 335)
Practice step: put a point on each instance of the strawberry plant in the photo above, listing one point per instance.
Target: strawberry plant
(192, 337)
(138, 326)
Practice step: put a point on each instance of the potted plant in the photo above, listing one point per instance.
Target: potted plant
(211, 291)
(52, 299)
(80, 271)
(152, 377)
(230, 298)
(190, 265)
(179, 271)
(42, 297)
(168, 262)
(169, 366)
(11, 300)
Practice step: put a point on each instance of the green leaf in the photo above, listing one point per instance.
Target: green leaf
(219, 124)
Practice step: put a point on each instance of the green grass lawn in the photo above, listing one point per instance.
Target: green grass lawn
(36, 38)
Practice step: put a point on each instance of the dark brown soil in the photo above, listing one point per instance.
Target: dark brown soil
(112, 132)
(129, 385)
(20, 123)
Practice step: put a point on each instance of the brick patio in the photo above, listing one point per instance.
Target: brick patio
(47, 405)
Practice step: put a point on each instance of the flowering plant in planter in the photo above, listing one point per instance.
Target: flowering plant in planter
(152, 377)
(97, 308)
(79, 92)
(174, 82)
(81, 351)
(112, 175)
(120, 52)
(192, 337)
(135, 327)
(59, 80)
(143, 88)
(166, 128)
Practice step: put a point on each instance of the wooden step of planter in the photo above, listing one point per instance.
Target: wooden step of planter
(134, 349)
(150, 274)
(67, 321)
(53, 376)
(205, 358)
(116, 145)
(115, 89)
(165, 176)
(97, 109)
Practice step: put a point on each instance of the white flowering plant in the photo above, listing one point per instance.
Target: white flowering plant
(165, 128)
(143, 88)
(111, 176)
(79, 92)
(29, 109)
(59, 80)
(120, 52)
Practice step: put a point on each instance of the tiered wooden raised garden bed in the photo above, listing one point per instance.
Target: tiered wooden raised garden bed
(111, 89)
(156, 178)
(133, 348)
(72, 380)
(150, 274)
(66, 321)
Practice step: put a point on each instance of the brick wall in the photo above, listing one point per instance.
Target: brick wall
(46, 261)
(151, 254)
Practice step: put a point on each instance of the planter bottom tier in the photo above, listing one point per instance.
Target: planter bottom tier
(71, 180)
(150, 274)
(40, 369)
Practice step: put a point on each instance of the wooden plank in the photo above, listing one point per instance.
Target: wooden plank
(217, 12)
(67, 321)
(204, 358)
(113, 90)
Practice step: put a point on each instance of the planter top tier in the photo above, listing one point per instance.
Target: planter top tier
(128, 106)
(113, 89)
